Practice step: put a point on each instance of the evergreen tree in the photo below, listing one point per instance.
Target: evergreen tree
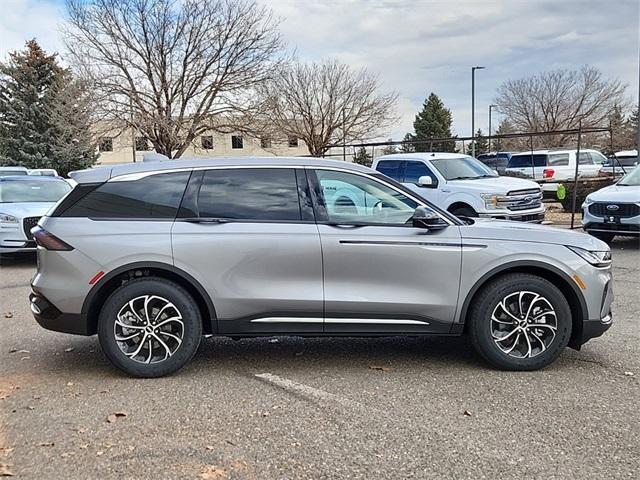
(481, 144)
(632, 125)
(407, 147)
(433, 121)
(25, 128)
(389, 149)
(44, 113)
(362, 157)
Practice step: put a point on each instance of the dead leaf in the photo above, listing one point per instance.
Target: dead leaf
(5, 470)
(210, 447)
(628, 374)
(467, 413)
(99, 453)
(112, 418)
(13, 350)
(69, 384)
(46, 444)
(213, 473)
(70, 349)
(380, 367)
(8, 315)
(24, 351)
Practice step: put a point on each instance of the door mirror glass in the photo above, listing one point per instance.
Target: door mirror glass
(424, 217)
(425, 181)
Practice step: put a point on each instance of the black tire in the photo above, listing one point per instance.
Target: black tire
(156, 289)
(481, 323)
(605, 237)
(465, 212)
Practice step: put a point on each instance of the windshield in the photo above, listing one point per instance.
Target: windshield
(32, 191)
(624, 161)
(633, 179)
(463, 168)
(10, 171)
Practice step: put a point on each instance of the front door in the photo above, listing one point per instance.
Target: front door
(248, 236)
(381, 274)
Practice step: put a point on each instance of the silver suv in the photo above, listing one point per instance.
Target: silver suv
(152, 256)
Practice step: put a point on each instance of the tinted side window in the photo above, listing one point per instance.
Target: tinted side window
(558, 159)
(585, 159)
(154, 196)
(414, 170)
(524, 160)
(390, 168)
(250, 194)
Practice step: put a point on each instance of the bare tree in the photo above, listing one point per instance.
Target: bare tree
(173, 69)
(560, 99)
(327, 103)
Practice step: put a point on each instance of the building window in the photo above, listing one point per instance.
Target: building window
(293, 141)
(265, 142)
(207, 142)
(105, 144)
(237, 141)
(142, 144)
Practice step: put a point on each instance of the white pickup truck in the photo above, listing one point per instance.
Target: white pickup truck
(464, 186)
(551, 167)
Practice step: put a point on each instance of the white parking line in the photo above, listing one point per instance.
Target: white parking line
(307, 391)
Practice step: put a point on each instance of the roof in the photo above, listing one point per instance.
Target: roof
(422, 155)
(104, 173)
(554, 150)
(627, 153)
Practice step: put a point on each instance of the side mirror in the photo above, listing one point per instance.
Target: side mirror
(425, 181)
(424, 217)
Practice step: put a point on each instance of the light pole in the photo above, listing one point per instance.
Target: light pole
(473, 109)
(491, 107)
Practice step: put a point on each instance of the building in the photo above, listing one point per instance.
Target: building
(116, 146)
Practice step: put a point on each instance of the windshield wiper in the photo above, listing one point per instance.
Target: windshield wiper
(463, 178)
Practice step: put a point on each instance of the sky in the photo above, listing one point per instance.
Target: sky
(422, 46)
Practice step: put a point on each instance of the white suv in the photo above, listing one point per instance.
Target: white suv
(553, 166)
(464, 186)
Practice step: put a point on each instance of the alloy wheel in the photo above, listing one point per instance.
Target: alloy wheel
(149, 329)
(524, 324)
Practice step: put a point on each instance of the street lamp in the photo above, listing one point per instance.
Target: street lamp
(491, 107)
(473, 109)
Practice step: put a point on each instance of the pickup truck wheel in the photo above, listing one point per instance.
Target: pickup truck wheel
(520, 322)
(149, 327)
(464, 212)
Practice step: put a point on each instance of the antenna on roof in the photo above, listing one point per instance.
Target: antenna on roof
(154, 157)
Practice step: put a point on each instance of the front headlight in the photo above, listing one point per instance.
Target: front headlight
(6, 218)
(597, 258)
(490, 200)
(587, 201)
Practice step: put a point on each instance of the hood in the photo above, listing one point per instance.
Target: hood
(509, 230)
(496, 185)
(617, 193)
(26, 209)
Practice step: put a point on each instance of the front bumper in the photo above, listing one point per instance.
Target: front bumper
(49, 317)
(618, 226)
(522, 216)
(13, 240)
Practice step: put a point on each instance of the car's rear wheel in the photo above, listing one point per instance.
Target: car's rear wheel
(150, 327)
(520, 322)
(605, 237)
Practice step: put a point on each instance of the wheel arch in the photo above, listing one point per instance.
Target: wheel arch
(119, 276)
(560, 279)
(460, 204)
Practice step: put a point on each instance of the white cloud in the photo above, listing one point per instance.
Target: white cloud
(22, 20)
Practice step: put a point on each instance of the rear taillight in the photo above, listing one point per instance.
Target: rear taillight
(48, 240)
(548, 173)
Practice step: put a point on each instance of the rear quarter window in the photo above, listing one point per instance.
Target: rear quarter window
(152, 197)
(525, 160)
(390, 168)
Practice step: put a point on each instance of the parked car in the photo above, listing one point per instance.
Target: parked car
(152, 255)
(464, 186)
(614, 210)
(550, 167)
(6, 171)
(497, 161)
(23, 200)
(45, 172)
(624, 162)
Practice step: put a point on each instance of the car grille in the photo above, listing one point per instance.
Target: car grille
(27, 224)
(622, 210)
(517, 200)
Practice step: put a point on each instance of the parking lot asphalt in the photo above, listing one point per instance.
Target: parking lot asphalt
(319, 408)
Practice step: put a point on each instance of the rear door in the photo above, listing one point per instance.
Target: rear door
(248, 236)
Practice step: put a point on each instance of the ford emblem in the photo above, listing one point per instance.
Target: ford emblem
(613, 207)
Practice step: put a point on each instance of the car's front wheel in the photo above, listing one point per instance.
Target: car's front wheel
(520, 322)
(150, 327)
